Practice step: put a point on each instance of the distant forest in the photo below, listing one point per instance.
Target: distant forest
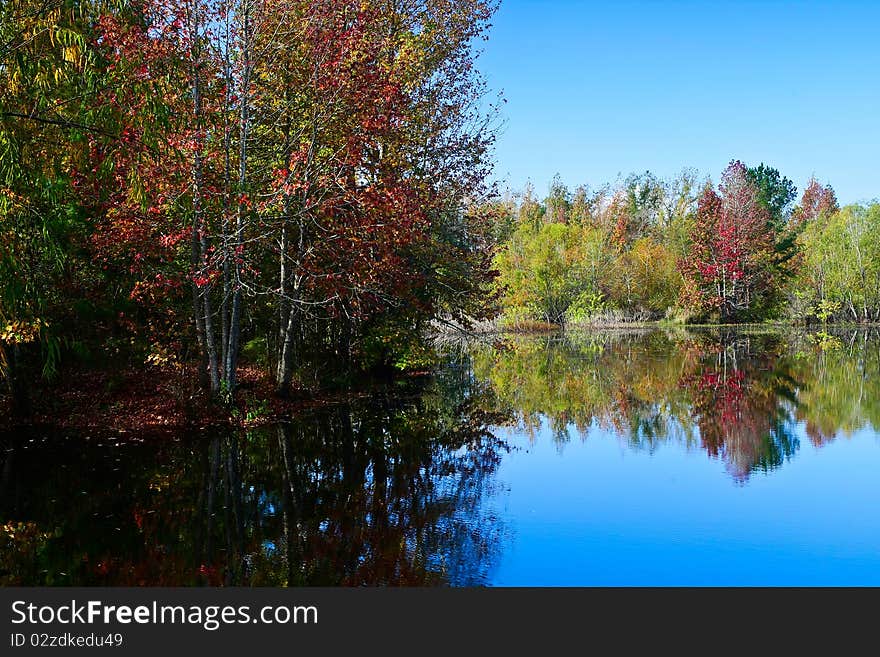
(685, 250)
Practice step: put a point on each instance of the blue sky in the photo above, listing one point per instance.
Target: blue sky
(598, 89)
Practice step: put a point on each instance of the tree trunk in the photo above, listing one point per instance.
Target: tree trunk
(227, 205)
(230, 365)
(286, 357)
(199, 246)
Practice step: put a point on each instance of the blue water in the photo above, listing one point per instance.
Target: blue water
(594, 512)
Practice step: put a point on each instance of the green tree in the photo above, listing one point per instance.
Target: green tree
(50, 74)
(841, 267)
(646, 278)
(775, 192)
(544, 272)
(558, 202)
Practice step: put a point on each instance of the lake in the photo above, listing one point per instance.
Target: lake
(656, 457)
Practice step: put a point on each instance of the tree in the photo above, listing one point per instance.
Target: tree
(159, 191)
(641, 207)
(581, 206)
(531, 212)
(775, 192)
(645, 278)
(558, 202)
(728, 268)
(817, 201)
(50, 70)
(316, 159)
(545, 273)
(678, 210)
(841, 269)
(379, 162)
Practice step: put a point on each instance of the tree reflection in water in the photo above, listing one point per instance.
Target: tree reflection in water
(388, 490)
(738, 395)
(743, 395)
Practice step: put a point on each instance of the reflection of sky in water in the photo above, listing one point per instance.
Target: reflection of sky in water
(595, 512)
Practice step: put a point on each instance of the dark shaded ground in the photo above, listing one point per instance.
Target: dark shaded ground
(160, 401)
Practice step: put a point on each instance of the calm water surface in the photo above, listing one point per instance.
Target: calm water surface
(589, 459)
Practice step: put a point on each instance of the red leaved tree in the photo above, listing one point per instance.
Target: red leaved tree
(315, 158)
(729, 267)
(818, 201)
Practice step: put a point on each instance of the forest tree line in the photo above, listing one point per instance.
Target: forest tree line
(746, 250)
(182, 181)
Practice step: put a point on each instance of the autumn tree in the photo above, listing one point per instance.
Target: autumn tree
(370, 119)
(817, 201)
(316, 159)
(531, 211)
(50, 71)
(728, 269)
(158, 189)
(641, 207)
(557, 273)
(645, 278)
(581, 211)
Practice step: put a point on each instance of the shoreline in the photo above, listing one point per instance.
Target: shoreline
(543, 328)
(161, 402)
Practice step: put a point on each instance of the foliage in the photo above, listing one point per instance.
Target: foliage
(51, 71)
(817, 201)
(646, 277)
(775, 192)
(584, 257)
(200, 174)
(728, 269)
(840, 276)
(684, 250)
(549, 270)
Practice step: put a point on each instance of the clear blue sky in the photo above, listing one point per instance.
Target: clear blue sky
(596, 89)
